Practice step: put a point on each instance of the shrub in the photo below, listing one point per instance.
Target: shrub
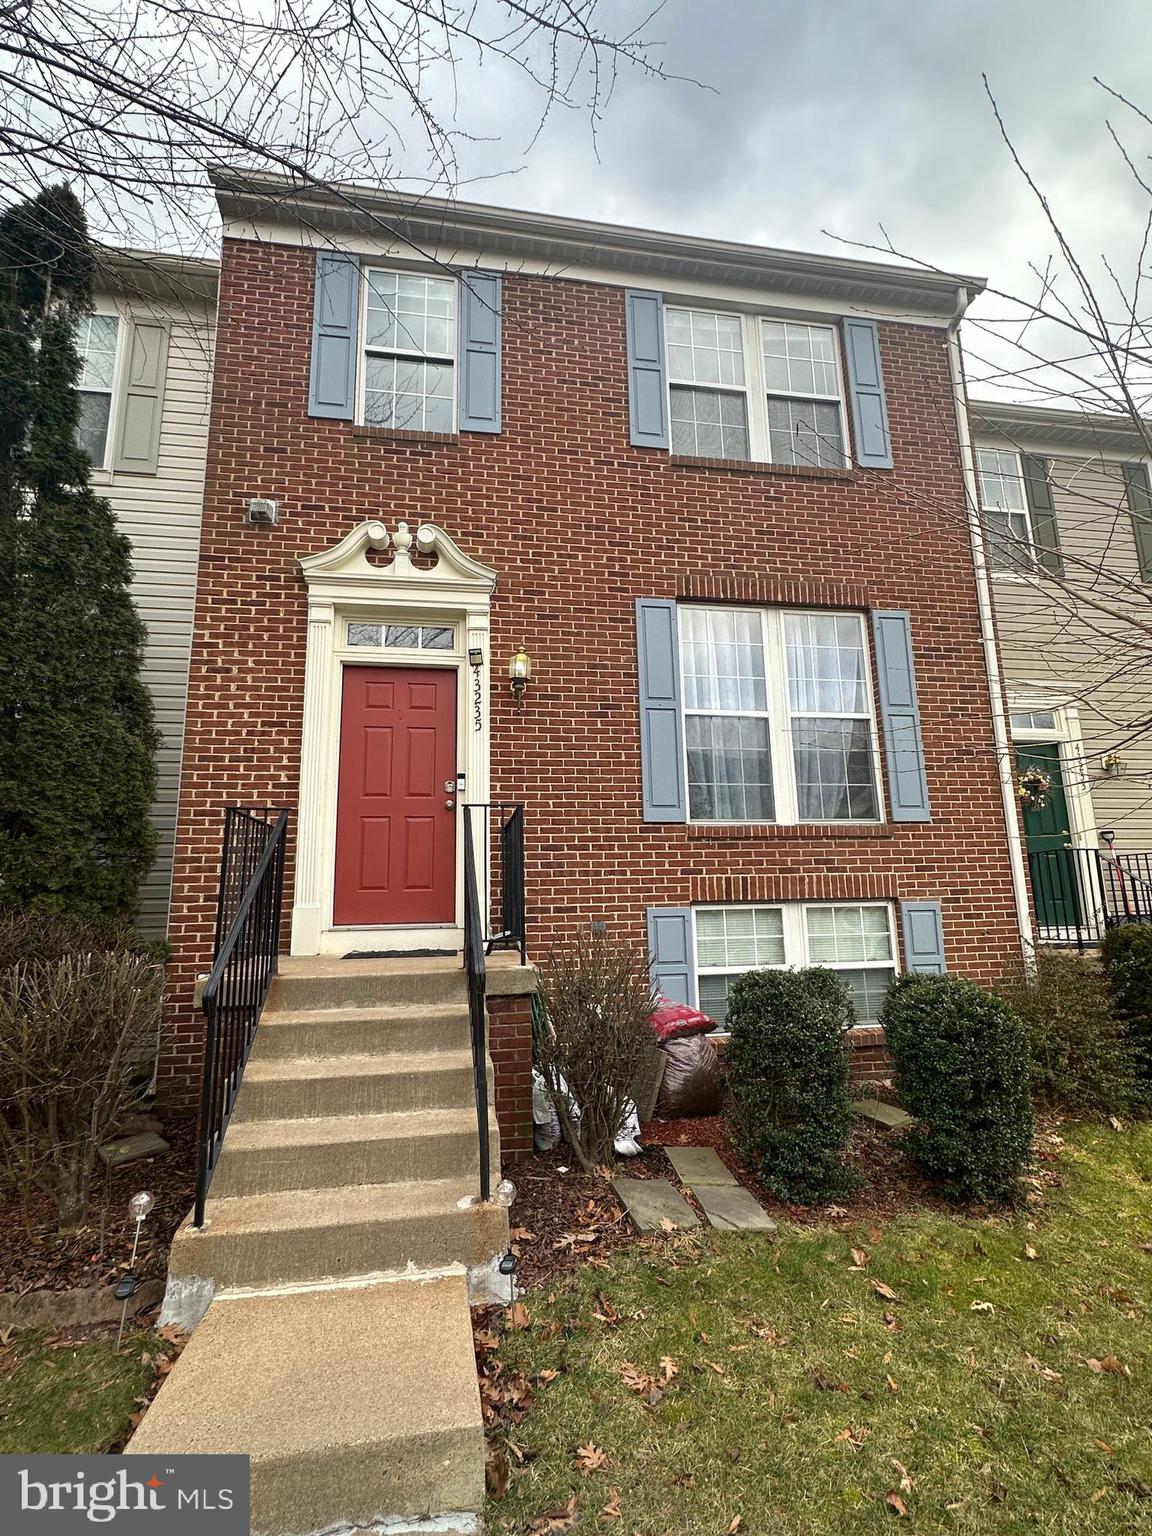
(786, 1069)
(1127, 958)
(41, 936)
(596, 1050)
(71, 1034)
(962, 1068)
(1082, 1056)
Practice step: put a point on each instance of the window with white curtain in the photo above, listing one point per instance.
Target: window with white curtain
(778, 716)
(854, 940)
(1005, 509)
(749, 387)
(409, 351)
(96, 338)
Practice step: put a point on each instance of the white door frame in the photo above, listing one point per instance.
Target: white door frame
(343, 585)
(1073, 763)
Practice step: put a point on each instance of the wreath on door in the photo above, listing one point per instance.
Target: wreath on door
(1034, 787)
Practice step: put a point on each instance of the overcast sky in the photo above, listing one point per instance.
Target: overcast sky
(843, 115)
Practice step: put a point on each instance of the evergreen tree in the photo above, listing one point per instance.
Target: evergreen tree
(76, 732)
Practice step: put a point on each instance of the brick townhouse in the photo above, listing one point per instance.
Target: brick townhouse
(720, 498)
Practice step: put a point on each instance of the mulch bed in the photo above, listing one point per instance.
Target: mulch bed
(35, 1257)
(565, 1219)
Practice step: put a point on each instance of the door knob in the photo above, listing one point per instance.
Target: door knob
(449, 805)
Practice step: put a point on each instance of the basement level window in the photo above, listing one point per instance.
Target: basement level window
(409, 637)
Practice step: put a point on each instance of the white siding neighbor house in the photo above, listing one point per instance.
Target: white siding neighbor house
(146, 394)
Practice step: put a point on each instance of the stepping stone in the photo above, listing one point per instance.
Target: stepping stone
(698, 1165)
(130, 1149)
(883, 1114)
(731, 1208)
(650, 1202)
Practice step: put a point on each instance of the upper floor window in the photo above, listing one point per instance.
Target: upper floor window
(747, 387)
(96, 338)
(778, 716)
(409, 351)
(1005, 507)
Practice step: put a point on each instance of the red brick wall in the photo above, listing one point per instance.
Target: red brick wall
(510, 1046)
(579, 524)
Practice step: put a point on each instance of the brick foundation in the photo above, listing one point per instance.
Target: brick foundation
(868, 1060)
(510, 1046)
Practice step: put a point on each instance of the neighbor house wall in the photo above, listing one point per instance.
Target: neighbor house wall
(160, 513)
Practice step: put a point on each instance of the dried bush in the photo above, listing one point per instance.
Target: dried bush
(1083, 1059)
(596, 1050)
(786, 1069)
(72, 1032)
(52, 936)
(962, 1068)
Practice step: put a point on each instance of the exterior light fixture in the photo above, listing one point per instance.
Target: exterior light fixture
(1114, 765)
(139, 1208)
(519, 674)
(475, 656)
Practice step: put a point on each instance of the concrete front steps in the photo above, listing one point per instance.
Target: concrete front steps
(342, 1232)
(358, 1406)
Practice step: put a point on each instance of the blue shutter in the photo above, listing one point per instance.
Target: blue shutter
(661, 724)
(480, 332)
(923, 931)
(1139, 500)
(670, 953)
(647, 383)
(332, 385)
(900, 716)
(866, 392)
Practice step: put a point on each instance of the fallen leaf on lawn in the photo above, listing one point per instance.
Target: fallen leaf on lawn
(590, 1458)
(611, 1510)
(1041, 1369)
(883, 1290)
(906, 1483)
(824, 1383)
(1105, 1447)
(896, 1504)
(519, 1316)
(547, 1376)
(1030, 1252)
(1117, 1125)
(683, 1480)
(497, 1473)
(1109, 1366)
(891, 1385)
(668, 1225)
(981, 1306)
(737, 1522)
(852, 1437)
(1094, 1498)
(634, 1378)
(607, 1313)
(562, 1518)
(668, 1367)
(859, 1257)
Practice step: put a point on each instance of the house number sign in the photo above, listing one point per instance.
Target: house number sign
(477, 712)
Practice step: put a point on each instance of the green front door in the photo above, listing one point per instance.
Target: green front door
(1052, 863)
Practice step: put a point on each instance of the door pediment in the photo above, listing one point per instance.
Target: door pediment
(346, 570)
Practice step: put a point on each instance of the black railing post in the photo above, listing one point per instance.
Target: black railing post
(476, 970)
(247, 943)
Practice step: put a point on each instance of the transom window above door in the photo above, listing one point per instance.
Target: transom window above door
(409, 351)
(410, 637)
(749, 387)
(778, 716)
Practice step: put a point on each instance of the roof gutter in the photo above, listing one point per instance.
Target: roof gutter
(992, 666)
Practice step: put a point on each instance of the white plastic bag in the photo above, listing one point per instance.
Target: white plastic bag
(627, 1143)
(545, 1120)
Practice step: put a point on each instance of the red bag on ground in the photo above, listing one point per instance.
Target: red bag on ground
(691, 1085)
(672, 1021)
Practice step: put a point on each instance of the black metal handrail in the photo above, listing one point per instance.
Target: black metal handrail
(476, 969)
(246, 955)
(1079, 893)
(496, 830)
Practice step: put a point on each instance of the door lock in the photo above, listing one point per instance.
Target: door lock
(449, 805)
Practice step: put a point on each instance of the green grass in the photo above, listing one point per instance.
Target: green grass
(74, 1401)
(964, 1398)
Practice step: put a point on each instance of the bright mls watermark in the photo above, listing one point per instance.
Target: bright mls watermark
(61, 1495)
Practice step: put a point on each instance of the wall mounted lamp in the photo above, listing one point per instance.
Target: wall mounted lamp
(519, 674)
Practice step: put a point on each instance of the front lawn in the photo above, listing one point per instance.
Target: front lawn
(935, 1372)
(74, 1396)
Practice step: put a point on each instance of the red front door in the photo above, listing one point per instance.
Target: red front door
(396, 807)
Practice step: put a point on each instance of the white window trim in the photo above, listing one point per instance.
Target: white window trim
(363, 351)
(103, 470)
(796, 953)
(779, 716)
(755, 387)
(1028, 577)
